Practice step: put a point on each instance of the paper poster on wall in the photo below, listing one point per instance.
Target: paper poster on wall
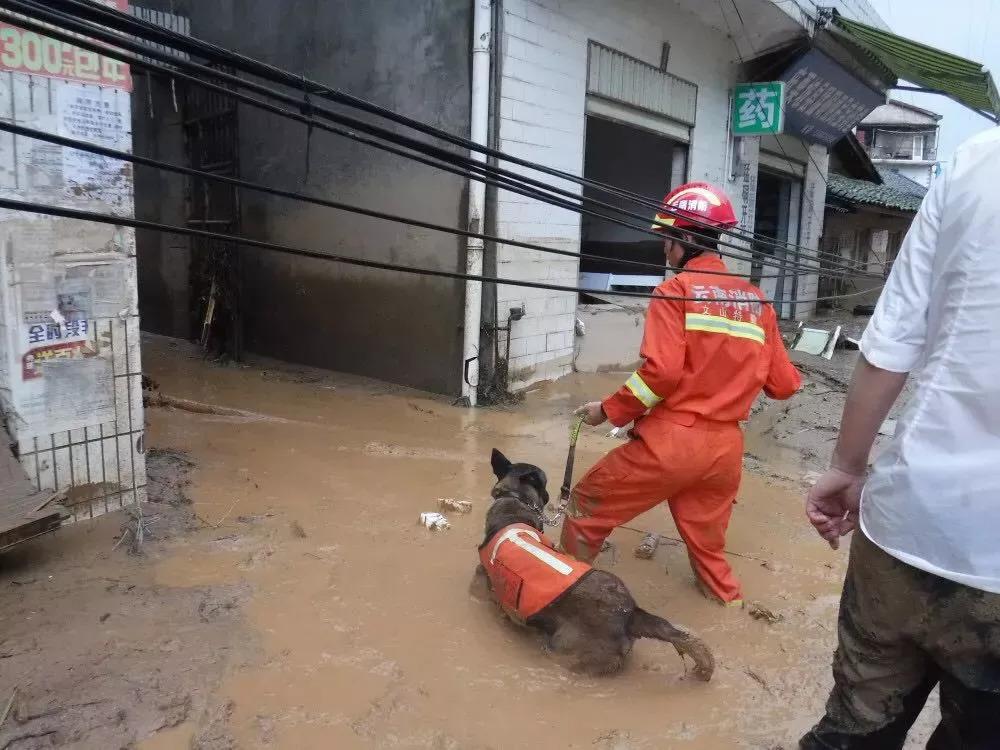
(66, 375)
(83, 289)
(100, 117)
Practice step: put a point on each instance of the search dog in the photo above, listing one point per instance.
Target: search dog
(593, 621)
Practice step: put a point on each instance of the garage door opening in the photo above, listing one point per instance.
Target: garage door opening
(639, 161)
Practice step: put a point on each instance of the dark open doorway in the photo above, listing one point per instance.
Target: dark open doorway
(776, 218)
(639, 161)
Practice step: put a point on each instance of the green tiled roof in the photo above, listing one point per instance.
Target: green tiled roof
(869, 193)
(894, 179)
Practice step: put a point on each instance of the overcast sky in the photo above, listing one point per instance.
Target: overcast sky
(969, 28)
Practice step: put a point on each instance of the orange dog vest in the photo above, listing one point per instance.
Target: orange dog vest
(526, 572)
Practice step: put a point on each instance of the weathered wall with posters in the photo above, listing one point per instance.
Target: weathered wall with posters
(70, 369)
(870, 236)
(410, 57)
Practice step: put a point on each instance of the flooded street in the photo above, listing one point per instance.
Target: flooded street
(335, 621)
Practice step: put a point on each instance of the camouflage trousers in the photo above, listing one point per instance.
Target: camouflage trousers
(901, 633)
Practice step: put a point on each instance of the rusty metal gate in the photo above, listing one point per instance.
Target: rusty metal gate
(211, 142)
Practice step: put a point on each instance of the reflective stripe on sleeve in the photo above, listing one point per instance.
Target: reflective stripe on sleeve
(641, 391)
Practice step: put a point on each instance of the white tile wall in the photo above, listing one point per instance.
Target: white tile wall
(813, 200)
(543, 96)
(542, 105)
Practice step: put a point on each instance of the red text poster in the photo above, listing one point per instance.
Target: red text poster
(24, 51)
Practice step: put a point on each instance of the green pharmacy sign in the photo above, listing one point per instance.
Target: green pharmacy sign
(759, 108)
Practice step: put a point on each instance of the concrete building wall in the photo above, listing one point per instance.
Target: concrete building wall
(542, 110)
(410, 57)
(879, 234)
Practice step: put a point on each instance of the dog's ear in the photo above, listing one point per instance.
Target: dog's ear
(501, 465)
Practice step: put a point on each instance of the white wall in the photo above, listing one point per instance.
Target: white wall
(543, 97)
(811, 227)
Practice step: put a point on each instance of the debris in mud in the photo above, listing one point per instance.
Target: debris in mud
(167, 476)
(760, 612)
(757, 678)
(214, 606)
(225, 515)
(612, 551)
(136, 528)
(297, 530)
(647, 547)
(457, 506)
(216, 735)
(614, 740)
(434, 521)
(10, 704)
(152, 399)
(816, 341)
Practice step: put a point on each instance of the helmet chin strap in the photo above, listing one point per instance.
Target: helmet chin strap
(689, 252)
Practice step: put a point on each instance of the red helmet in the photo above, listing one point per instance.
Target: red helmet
(706, 205)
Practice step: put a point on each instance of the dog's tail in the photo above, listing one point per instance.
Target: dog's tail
(646, 625)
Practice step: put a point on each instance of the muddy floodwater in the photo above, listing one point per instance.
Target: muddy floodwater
(294, 602)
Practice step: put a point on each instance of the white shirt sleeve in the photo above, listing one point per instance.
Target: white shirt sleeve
(895, 336)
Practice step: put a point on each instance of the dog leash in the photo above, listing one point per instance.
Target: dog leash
(574, 435)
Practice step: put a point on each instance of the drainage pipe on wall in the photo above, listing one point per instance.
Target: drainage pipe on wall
(482, 33)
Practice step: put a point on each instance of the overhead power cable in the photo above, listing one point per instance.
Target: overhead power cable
(146, 30)
(140, 28)
(111, 153)
(206, 50)
(338, 205)
(81, 215)
(507, 181)
(216, 53)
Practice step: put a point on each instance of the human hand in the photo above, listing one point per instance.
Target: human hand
(592, 413)
(832, 504)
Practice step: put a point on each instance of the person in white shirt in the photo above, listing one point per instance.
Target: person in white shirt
(921, 601)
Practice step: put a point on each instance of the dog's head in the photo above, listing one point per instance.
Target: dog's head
(526, 482)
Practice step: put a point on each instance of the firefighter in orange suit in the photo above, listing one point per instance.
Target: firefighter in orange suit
(704, 362)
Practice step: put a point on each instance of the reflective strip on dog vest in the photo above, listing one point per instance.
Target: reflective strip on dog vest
(526, 571)
(514, 535)
(642, 391)
(725, 326)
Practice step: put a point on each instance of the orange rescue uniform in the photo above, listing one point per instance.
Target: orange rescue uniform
(526, 571)
(704, 364)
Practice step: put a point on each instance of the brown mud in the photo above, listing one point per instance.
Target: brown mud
(294, 601)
